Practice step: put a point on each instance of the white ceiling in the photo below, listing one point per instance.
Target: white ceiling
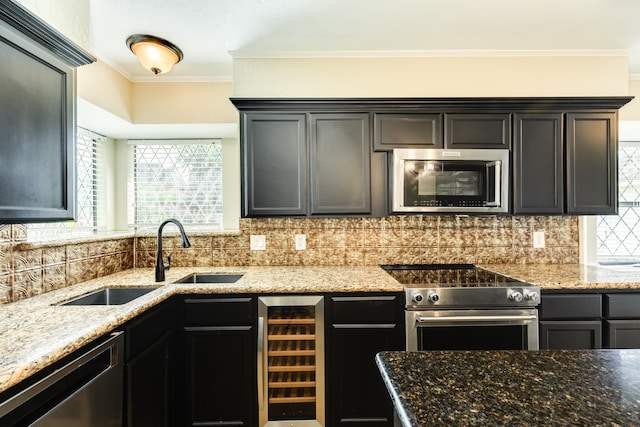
(212, 32)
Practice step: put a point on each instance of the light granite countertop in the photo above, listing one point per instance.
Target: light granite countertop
(37, 332)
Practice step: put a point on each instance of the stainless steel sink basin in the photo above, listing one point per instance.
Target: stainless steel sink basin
(109, 296)
(211, 278)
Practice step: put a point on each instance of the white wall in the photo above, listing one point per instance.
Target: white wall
(432, 77)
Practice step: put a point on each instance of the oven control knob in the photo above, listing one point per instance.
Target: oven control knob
(530, 295)
(515, 296)
(433, 297)
(417, 298)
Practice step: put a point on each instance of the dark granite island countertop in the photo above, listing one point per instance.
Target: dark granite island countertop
(513, 388)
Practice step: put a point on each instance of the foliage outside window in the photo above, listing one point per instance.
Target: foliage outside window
(175, 179)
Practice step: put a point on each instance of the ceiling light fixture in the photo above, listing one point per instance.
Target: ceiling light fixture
(155, 54)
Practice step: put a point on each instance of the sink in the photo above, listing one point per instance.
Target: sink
(110, 296)
(211, 278)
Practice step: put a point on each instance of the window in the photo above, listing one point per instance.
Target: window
(175, 179)
(619, 236)
(90, 158)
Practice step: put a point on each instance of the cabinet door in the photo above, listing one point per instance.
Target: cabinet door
(274, 164)
(219, 365)
(360, 326)
(570, 334)
(220, 375)
(477, 130)
(407, 131)
(150, 367)
(356, 392)
(149, 386)
(538, 167)
(592, 169)
(340, 158)
(623, 333)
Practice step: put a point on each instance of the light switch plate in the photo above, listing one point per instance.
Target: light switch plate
(258, 242)
(301, 242)
(538, 239)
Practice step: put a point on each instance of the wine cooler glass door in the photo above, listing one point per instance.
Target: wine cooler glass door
(291, 361)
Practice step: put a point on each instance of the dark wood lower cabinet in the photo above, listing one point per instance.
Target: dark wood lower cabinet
(623, 333)
(590, 320)
(570, 335)
(356, 394)
(150, 368)
(358, 327)
(220, 381)
(150, 385)
(219, 364)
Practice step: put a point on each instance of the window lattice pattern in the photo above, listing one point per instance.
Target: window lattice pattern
(619, 236)
(182, 181)
(89, 158)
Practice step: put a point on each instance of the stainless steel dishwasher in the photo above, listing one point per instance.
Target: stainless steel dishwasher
(87, 391)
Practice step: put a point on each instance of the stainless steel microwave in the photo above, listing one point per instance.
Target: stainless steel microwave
(457, 181)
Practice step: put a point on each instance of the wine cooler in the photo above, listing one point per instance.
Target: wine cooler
(291, 361)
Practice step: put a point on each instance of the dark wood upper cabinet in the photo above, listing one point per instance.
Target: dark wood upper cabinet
(409, 130)
(538, 167)
(274, 164)
(483, 130)
(563, 150)
(592, 163)
(340, 164)
(37, 118)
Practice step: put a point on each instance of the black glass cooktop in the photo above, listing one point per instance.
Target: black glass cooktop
(445, 275)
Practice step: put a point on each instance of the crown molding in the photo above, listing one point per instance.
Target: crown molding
(42, 33)
(454, 53)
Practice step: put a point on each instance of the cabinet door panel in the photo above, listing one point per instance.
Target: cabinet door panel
(340, 158)
(622, 306)
(571, 306)
(538, 164)
(149, 386)
(220, 376)
(357, 393)
(274, 164)
(407, 131)
(570, 335)
(623, 333)
(592, 166)
(477, 130)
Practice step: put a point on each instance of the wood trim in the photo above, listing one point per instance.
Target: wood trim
(42, 33)
(485, 104)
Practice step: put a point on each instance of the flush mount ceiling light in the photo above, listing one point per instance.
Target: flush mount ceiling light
(155, 54)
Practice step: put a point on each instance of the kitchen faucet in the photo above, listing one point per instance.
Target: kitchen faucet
(160, 265)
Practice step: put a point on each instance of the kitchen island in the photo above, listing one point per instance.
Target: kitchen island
(481, 388)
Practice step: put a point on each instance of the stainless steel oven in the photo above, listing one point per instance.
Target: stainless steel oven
(461, 307)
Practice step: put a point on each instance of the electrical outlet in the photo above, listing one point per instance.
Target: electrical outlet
(301, 242)
(538, 239)
(258, 242)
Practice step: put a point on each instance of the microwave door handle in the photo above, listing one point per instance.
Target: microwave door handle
(497, 180)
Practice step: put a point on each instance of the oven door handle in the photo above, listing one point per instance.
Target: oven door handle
(429, 319)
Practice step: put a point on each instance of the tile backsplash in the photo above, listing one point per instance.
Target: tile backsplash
(29, 269)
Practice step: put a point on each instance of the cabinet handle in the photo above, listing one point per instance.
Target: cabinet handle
(261, 362)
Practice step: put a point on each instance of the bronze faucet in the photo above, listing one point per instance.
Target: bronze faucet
(160, 265)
